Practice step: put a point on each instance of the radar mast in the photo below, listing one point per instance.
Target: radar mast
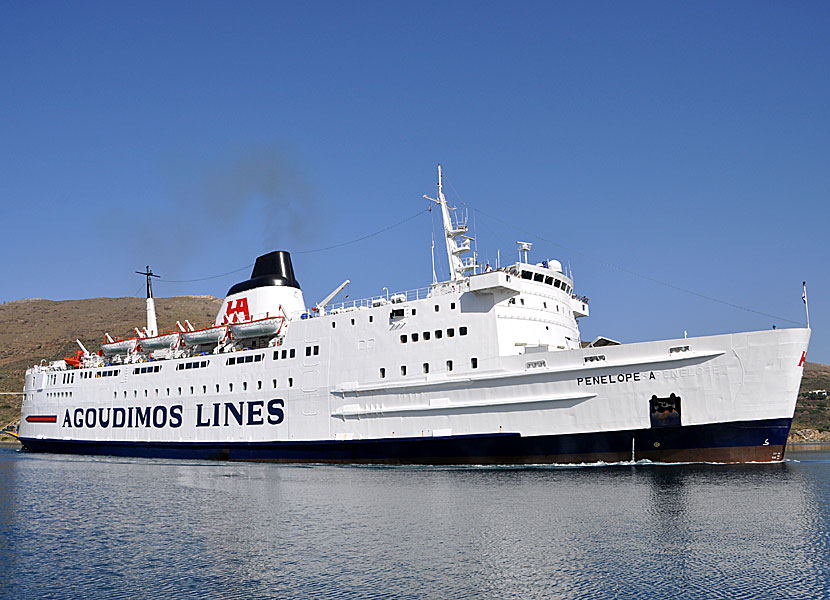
(454, 230)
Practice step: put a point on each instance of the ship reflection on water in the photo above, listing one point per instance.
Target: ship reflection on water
(126, 528)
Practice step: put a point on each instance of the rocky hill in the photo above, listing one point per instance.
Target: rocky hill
(31, 330)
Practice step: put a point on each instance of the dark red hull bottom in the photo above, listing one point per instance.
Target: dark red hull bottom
(737, 442)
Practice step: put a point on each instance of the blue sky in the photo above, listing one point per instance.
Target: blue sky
(686, 144)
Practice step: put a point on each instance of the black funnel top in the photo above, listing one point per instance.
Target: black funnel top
(274, 268)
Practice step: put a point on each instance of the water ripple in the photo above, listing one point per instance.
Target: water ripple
(76, 527)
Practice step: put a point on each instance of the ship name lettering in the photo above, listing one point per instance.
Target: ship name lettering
(608, 379)
(242, 413)
(116, 418)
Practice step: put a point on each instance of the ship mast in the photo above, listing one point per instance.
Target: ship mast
(152, 327)
(453, 232)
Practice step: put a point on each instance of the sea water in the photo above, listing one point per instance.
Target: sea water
(82, 527)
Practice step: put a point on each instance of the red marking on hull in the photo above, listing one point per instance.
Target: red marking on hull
(42, 419)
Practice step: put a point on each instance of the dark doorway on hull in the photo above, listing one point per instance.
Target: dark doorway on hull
(665, 412)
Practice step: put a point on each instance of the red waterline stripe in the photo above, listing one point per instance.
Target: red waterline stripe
(42, 419)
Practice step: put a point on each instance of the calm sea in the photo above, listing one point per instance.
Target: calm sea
(78, 527)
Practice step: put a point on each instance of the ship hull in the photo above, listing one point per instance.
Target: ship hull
(725, 398)
(735, 442)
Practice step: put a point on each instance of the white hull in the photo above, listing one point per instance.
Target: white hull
(721, 379)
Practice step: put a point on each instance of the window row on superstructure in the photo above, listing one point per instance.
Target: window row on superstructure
(193, 389)
(565, 310)
(548, 280)
(425, 367)
(241, 360)
(192, 364)
(427, 335)
(97, 374)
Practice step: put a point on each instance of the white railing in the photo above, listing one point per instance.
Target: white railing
(382, 300)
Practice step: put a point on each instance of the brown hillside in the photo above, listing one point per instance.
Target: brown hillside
(31, 330)
(813, 413)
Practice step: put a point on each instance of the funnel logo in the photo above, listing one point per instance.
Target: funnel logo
(237, 311)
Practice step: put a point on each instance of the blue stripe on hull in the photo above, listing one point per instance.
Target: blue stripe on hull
(728, 442)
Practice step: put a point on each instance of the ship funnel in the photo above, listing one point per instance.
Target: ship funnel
(271, 290)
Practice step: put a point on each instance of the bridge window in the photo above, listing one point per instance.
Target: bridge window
(439, 334)
(462, 331)
(414, 337)
(426, 336)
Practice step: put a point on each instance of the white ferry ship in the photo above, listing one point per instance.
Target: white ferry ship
(485, 368)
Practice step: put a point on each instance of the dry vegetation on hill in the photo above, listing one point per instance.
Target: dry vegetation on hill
(31, 330)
